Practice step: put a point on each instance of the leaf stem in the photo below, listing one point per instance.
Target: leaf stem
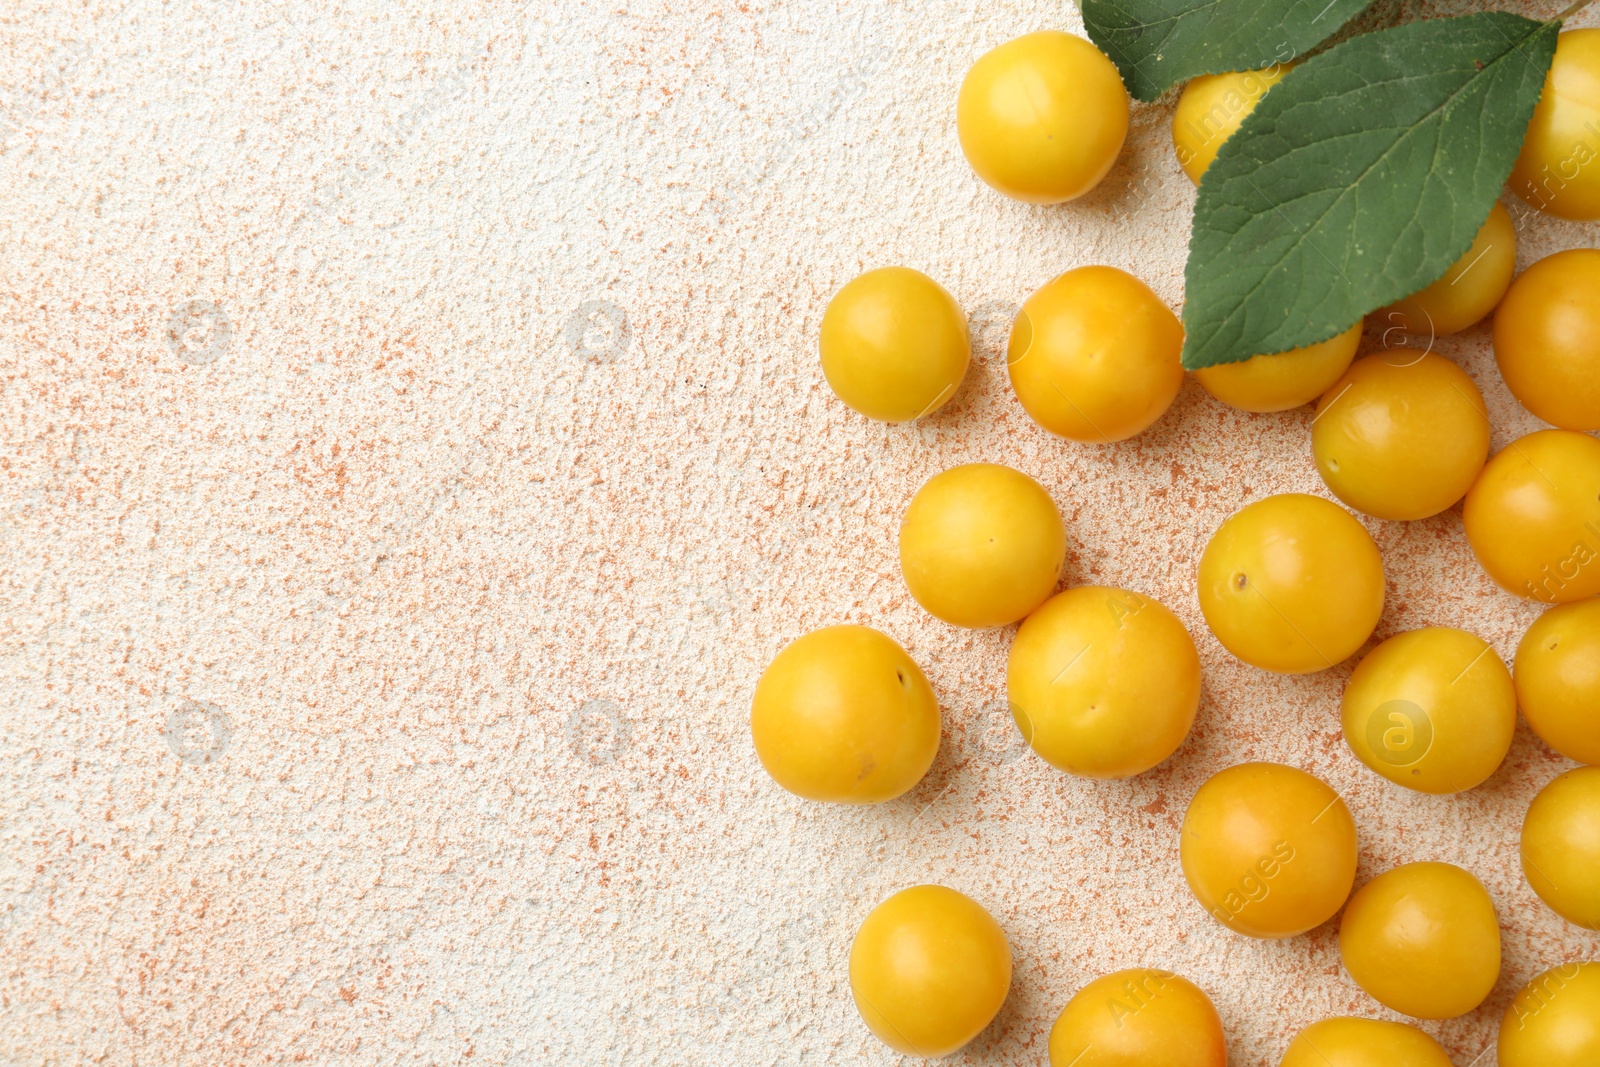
(1571, 11)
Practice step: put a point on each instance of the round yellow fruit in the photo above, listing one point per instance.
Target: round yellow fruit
(1533, 517)
(1347, 1042)
(843, 714)
(1561, 846)
(1268, 850)
(929, 969)
(894, 344)
(1554, 1021)
(1285, 380)
(1136, 1018)
(1433, 710)
(1401, 435)
(1210, 108)
(1103, 682)
(1042, 118)
(982, 545)
(1559, 169)
(1557, 675)
(1423, 939)
(1095, 355)
(1466, 293)
(1547, 338)
(1292, 583)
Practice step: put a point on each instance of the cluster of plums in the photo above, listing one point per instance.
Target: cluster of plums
(1105, 683)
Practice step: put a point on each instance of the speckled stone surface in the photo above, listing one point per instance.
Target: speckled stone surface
(414, 448)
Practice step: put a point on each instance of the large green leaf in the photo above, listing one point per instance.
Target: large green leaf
(1159, 43)
(1358, 180)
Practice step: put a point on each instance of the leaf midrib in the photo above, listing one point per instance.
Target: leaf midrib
(1351, 186)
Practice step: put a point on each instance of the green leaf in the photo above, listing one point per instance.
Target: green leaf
(1358, 180)
(1158, 43)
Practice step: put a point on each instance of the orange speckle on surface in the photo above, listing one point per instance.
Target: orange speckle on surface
(516, 467)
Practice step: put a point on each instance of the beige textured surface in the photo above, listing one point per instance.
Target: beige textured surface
(474, 598)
